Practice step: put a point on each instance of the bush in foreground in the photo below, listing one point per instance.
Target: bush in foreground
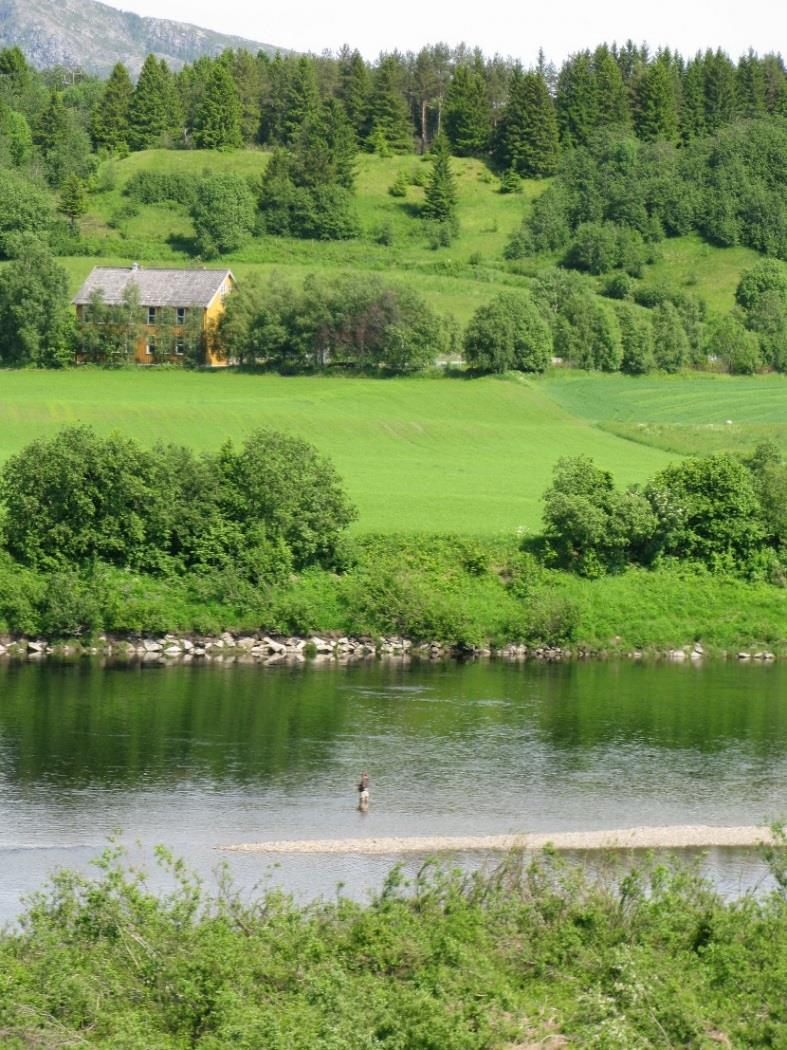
(533, 950)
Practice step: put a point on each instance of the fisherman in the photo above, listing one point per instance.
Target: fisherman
(363, 791)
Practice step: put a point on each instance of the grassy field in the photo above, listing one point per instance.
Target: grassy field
(455, 280)
(688, 414)
(421, 453)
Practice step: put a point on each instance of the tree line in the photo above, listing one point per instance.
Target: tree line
(361, 322)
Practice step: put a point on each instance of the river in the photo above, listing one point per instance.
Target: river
(196, 757)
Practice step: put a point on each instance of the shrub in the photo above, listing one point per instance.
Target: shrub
(729, 341)
(508, 333)
(158, 187)
(223, 214)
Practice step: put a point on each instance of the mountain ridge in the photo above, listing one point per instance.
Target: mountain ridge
(93, 36)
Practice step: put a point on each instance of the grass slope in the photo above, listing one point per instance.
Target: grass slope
(455, 280)
(432, 454)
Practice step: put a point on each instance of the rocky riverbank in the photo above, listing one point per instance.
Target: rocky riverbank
(267, 650)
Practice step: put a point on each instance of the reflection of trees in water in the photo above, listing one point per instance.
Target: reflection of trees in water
(81, 723)
(706, 709)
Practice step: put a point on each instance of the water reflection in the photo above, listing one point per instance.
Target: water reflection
(194, 756)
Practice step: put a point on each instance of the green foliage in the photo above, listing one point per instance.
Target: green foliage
(589, 526)
(729, 341)
(467, 113)
(584, 333)
(601, 247)
(670, 343)
(765, 276)
(533, 950)
(73, 199)
(78, 499)
(508, 333)
(440, 194)
(109, 119)
(24, 209)
(36, 325)
(527, 136)
(223, 214)
(217, 123)
(390, 127)
(154, 111)
(158, 187)
(352, 320)
(636, 337)
(708, 511)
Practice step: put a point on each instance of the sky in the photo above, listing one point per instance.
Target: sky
(507, 27)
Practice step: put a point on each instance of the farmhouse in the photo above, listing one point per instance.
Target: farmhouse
(154, 314)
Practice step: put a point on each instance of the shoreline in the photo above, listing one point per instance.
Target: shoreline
(681, 836)
(266, 650)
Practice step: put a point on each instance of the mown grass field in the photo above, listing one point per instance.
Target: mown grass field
(433, 454)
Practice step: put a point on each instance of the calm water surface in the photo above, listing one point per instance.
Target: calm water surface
(193, 757)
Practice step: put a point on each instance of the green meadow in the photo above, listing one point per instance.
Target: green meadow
(455, 280)
(467, 455)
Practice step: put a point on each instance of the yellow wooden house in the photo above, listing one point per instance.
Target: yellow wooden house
(165, 297)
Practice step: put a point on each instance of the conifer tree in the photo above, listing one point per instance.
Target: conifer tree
(692, 104)
(467, 115)
(750, 86)
(655, 104)
(218, 121)
(612, 97)
(389, 118)
(527, 134)
(353, 89)
(576, 101)
(246, 72)
(720, 94)
(155, 112)
(73, 199)
(440, 194)
(52, 128)
(110, 116)
(340, 139)
(302, 99)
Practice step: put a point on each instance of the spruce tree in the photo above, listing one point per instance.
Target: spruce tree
(353, 89)
(73, 199)
(156, 111)
(389, 118)
(149, 116)
(440, 194)
(302, 99)
(110, 116)
(692, 102)
(750, 86)
(720, 90)
(655, 104)
(340, 139)
(527, 135)
(467, 114)
(612, 97)
(576, 102)
(218, 121)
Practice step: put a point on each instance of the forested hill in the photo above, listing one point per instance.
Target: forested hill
(94, 36)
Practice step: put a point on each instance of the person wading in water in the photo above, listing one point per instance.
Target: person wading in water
(363, 791)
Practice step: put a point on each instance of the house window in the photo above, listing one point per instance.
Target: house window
(180, 315)
(151, 315)
(180, 347)
(150, 345)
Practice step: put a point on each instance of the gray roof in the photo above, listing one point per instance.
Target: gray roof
(156, 287)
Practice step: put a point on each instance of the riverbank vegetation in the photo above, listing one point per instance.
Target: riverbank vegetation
(529, 952)
(100, 534)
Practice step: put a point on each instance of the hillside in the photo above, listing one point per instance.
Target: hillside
(456, 280)
(94, 36)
